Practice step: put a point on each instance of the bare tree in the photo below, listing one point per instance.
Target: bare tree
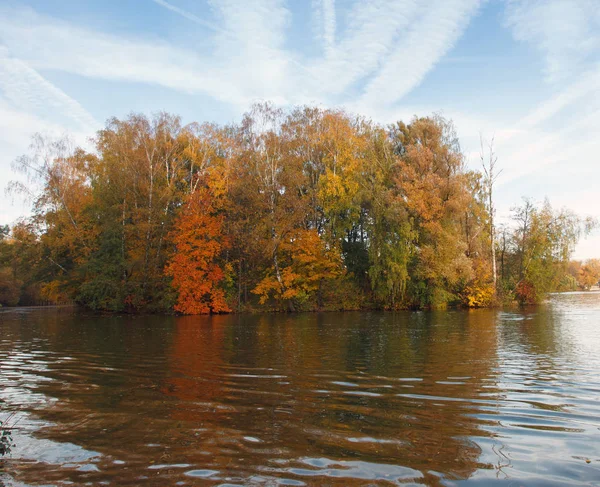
(490, 176)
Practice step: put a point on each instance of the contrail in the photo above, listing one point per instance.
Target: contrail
(216, 28)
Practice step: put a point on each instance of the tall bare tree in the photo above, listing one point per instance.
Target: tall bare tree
(490, 176)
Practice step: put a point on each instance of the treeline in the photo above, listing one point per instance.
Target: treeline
(582, 275)
(301, 210)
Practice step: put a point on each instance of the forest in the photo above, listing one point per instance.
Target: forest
(289, 210)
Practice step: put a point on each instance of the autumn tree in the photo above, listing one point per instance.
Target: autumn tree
(306, 261)
(544, 241)
(383, 228)
(480, 290)
(433, 185)
(57, 175)
(195, 266)
(268, 186)
(303, 209)
(137, 187)
(343, 147)
(25, 265)
(589, 274)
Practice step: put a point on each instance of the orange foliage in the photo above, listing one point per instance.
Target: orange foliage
(197, 275)
(309, 263)
(526, 293)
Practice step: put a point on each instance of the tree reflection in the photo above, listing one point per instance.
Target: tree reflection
(383, 388)
(353, 398)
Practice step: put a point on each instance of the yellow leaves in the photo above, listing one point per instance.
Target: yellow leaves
(589, 274)
(343, 151)
(265, 288)
(479, 296)
(480, 292)
(52, 292)
(307, 262)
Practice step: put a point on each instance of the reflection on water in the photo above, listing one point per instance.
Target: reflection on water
(439, 398)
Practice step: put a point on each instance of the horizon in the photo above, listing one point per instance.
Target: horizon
(525, 73)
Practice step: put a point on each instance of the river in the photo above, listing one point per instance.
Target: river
(483, 397)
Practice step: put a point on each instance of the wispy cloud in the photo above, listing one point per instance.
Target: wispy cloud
(325, 16)
(584, 85)
(30, 92)
(18, 121)
(567, 33)
(429, 38)
(190, 16)
(257, 53)
(384, 42)
(58, 45)
(242, 42)
(374, 29)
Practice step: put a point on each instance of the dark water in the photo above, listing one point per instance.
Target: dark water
(442, 398)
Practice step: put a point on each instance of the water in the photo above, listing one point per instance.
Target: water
(443, 398)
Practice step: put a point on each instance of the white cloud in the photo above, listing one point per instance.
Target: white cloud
(566, 32)
(373, 52)
(374, 28)
(585, 86)
(190, 16)
(26, 89)
(16, 128)
(553, 152)
(251, 59)
(256, 57)
(58, 45)
(426, 42)
(329, 25)
(29, 103)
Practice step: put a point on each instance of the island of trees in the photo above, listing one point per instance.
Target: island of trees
(306, 209)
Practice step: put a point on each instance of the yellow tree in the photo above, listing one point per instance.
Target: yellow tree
(434, 187)
(343, 148)
(267, 188)
(59, 183)
(306, 261)
(589, 274)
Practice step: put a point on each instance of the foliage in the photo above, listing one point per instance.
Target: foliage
(10, 288)
(306, 262)
(526, 292)
(6, 440)
(542, 244)
(199, 241)
(309, 209)
(480, 291)
(583, 275)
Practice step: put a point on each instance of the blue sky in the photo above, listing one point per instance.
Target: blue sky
(524, 71)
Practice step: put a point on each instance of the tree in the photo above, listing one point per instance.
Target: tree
(307, 261)
(305, 209)
(195, 267)
(490, 176)
(433, 185)
(138, 182)
(384, 228)
(544, 241)
(589, 274)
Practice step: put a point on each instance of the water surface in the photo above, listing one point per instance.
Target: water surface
(483, 397)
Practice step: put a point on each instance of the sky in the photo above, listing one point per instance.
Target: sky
(525, 72)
